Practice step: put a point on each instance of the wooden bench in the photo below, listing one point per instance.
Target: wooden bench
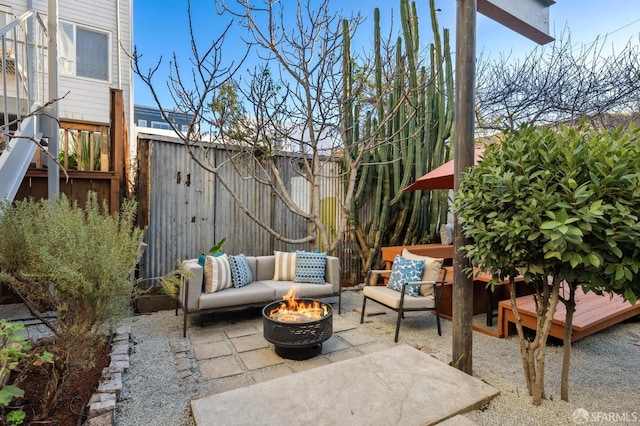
(593, 313)
(437, 251)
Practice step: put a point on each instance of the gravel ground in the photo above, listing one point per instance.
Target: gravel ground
(152, 392)
(604, 381)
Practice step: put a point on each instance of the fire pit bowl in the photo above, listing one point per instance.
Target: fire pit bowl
(301, 339)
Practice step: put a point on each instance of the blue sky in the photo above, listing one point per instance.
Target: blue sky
(160, 28)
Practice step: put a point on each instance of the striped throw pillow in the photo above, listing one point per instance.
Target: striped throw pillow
(217, 273)
(286, 263)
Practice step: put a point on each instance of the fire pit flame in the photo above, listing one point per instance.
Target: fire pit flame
(293, 310)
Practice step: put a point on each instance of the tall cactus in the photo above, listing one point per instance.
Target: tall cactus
(408, 126)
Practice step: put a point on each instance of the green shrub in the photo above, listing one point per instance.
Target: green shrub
(562, 208)
(74, 261)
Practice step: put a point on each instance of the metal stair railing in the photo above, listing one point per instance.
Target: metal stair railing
(15, 160)
(23, 72)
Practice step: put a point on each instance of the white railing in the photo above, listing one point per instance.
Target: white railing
(23, 66)
(23, 69)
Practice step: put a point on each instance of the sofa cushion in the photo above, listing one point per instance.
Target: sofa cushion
(310, 267)
(404, 271)
(253, 266)
(285, 266)
(265, 267)
(431, 270)
(240, 271)
(217, 273)
(303, 290)
(252, 293)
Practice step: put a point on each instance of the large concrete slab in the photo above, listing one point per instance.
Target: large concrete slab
(396, 386)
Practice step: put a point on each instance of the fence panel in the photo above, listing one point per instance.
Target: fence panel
(185, 209)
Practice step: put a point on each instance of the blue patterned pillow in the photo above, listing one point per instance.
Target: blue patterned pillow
(403, 271)
(240, 271)
(310, 267)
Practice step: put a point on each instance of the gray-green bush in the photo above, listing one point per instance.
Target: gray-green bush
(77, 262)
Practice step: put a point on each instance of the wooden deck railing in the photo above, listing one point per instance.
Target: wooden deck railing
(94, 159)
(83, 147)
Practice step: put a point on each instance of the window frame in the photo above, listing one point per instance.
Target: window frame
(163, 125)
(74, 46)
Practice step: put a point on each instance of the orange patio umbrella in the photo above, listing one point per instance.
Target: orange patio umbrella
(441, 177)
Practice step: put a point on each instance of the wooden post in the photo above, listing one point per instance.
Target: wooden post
(462, 307)
(143, 183)
(104, 149)
(117, 147)
(79, 150)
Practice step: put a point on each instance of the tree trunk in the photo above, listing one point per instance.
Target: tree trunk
(523, 342)
(533, 353)
(570, 305)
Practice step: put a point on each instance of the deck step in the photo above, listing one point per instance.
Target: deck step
(593, 313)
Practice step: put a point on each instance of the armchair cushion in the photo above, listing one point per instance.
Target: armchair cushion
(404, 271)
(431, 270)
(391, 298)
(217, 273)
(285, 267)
(240, 271)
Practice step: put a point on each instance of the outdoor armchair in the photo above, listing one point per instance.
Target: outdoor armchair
(400, 301)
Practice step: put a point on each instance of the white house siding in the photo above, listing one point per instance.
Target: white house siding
(88, 100)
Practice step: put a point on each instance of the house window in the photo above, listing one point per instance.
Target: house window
(83, 52)
(142, 123)
(160, 125)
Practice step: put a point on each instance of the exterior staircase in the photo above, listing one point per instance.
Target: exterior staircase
(23, 70)
(15, 159)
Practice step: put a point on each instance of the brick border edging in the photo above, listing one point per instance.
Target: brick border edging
(102, 404)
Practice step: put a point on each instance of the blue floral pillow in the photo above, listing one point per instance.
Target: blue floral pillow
(240, 271)
(403, 271)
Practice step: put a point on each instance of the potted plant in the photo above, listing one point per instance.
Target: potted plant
(215, 250)
(170, 285)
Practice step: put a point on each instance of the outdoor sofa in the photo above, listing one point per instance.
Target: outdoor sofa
(237, 282)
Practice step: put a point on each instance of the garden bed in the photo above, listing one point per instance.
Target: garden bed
(74, 395)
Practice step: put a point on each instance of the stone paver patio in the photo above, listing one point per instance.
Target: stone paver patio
(231, 354)
(394, 386)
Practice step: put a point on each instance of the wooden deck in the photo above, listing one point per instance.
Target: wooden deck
(593, 313)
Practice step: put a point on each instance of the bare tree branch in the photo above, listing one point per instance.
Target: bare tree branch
(558, 83)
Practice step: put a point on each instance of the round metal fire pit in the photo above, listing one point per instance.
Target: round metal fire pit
(297, 340)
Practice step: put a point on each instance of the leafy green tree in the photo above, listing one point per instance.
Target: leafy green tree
(228, 113)
(562, 208)
(77, 262)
